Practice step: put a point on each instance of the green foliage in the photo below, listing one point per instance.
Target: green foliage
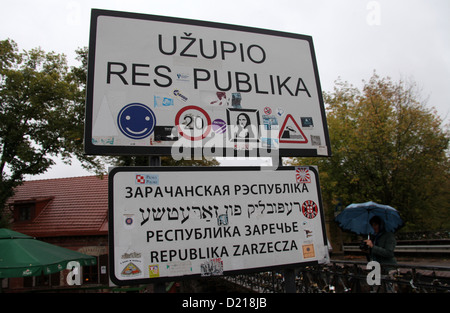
(387, 147)
(41, 114)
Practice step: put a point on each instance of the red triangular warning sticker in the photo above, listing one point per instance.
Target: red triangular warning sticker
(290, 132)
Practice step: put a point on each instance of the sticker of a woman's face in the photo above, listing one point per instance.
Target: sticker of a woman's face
(244, 127)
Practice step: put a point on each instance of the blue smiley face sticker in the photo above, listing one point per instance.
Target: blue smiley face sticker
(136, 121)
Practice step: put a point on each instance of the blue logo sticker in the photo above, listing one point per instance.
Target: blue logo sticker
(136, 121)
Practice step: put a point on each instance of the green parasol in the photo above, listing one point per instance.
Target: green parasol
(22, 256)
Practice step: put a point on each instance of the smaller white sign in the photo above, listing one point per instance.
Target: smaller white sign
(178, 222)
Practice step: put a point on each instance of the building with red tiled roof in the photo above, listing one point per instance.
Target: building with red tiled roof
(76, 206)
(68, 212)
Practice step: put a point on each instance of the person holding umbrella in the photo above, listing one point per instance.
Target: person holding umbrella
(382, 244)
(378, 222)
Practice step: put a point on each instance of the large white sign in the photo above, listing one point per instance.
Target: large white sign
(160, 86)
(187, 222)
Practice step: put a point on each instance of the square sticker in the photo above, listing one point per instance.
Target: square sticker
(308, 251)
(302, 175)
(153, 271)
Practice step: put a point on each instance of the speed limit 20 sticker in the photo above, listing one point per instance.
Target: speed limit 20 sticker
(193, 123)
(310, 209)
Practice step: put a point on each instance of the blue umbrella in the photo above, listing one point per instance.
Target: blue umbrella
(356, 217)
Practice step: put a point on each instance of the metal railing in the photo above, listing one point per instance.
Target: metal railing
(439, 248)
(350, 277)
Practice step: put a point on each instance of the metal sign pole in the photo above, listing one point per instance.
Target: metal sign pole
(289, 281)
(159, 287)
(154, 160)
(289, 273)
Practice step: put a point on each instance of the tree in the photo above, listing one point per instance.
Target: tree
(41, 115)
(387, 147)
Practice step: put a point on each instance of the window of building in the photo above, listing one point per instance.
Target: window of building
(90, 274)
(49, 280)
(24, 212)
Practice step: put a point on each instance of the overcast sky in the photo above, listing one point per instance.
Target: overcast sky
(407, 39)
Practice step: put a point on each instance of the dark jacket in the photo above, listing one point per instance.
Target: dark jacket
(383, 248)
